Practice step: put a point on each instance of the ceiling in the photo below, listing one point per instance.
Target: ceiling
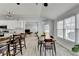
(54, 10)
(32, 10)
(25, 9)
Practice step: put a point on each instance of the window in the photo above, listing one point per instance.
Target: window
(77, 29)
(60, 29)
(69, 28)
(47, 28)
(32, 26)
(66, 29)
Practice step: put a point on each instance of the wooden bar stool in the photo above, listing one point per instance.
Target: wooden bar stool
(15, 43)
(23, 35)
(4, 45)
(3, 48)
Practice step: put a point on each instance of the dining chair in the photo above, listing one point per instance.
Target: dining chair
(48, 45)
(39, 45)
(54, 43)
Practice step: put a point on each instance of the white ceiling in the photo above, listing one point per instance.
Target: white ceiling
(32, 10)
(25, 9)
(54, 10)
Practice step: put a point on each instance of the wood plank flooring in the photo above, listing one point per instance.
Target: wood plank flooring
(32, 50)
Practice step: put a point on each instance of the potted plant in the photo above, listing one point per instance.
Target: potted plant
(75, 48)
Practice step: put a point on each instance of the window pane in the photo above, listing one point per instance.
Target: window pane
(69, 26)
(70, 35)
(77, 37)
(60, 24)
(47, 28)
(69, 23)
(60, 33)
(60, 29)
(77, 21)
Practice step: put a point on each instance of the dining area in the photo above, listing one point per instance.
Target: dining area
(33, 44)
(25, 30)
(12, 44)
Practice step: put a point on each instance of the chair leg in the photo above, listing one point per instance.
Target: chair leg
(38, 45)
(25, 43)
(40, 49)
(45, 52)
(54, 48)
(52, 52)
(43, 47)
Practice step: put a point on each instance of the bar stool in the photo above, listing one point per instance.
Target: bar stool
(23, 35)
(4, 45)
(3, 48)
(15, 43)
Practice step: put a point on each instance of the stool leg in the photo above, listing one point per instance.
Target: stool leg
(14, 49)
(8, 52)
(20, 46)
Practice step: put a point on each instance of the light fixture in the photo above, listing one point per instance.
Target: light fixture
(18, 3)
(10, 14)
(45, 4)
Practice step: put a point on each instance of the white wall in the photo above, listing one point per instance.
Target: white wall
(10, 24)
(51, 27)
(23, 24)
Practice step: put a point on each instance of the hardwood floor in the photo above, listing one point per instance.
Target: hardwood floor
(32, 50)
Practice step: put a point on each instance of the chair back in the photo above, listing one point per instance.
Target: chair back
(48, 40)
(52, 37)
